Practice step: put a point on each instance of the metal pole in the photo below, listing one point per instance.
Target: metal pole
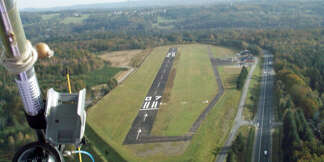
(15, 44)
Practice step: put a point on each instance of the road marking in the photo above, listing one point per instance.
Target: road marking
(146, 105)
(158, 97)
(159, 84)
(149, 109)
(145, 116)
(148, 98)
(139, 131)
(154, 104)
(262, 112)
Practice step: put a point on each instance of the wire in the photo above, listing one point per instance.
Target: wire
(84, 152)
(80, 157)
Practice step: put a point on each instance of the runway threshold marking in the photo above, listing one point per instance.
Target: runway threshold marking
(150, 104)
(149, 109)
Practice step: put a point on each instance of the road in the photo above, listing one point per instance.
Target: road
(143, 123)
(264, 117)
(238, 121)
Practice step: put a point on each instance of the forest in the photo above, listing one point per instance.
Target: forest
(292, 31)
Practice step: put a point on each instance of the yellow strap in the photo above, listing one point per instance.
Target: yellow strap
(69, 84)
(80, 158)
(70, 91)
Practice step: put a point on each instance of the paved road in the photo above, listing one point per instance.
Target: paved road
(238, 122)
(143, 123)
(263, 140)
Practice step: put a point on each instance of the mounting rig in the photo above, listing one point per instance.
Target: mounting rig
(58, 120)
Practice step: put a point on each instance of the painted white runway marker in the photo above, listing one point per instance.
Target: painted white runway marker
(173, 54)
(149, 109)
(157, 97)
(159, 84)
(155, 104)
(146, 105)
(145, 116)
(148, 98)
(139, 131)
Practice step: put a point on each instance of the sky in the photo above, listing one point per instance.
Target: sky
(57, 3)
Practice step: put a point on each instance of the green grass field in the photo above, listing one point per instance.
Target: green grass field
(111, 118)
(194, 84)
(74, 20)
(49, 16)
(101, 76)
(163, 23)
(221, 52)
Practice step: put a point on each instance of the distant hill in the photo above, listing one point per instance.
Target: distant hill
(129, 4)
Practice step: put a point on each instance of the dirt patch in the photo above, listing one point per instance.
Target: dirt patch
(125, 58)
(137, 61)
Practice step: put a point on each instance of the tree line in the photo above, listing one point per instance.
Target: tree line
(241, 78)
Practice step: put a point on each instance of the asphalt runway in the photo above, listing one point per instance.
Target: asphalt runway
(264, 117)
(143, 123)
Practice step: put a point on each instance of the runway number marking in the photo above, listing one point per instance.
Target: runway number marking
(148, 98)
(172, 54)
(154, 105)
(158, 97)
